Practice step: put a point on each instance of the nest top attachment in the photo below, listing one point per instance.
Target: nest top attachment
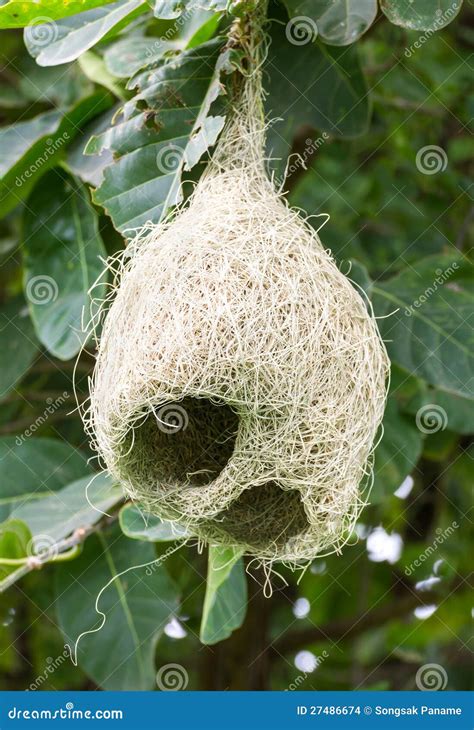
(240, 379)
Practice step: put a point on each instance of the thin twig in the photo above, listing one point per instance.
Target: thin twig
(56, 552)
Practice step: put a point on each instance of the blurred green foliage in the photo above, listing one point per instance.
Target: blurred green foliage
(401, 226)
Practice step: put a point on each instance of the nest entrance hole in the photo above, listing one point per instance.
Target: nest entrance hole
(263, 516)
(187, 442)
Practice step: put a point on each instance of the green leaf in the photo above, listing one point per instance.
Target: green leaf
(19, 13)
(397, 453)
(428, 331)
(127, 56)
(225, 603)
(140, 525)
(421, 14)
(29, 149)
(137, 605)
(337, 22)
(18, 138)
(90, 168)
(94, 68)
(34, 468)
(62, 250)
(153, 145)
(52, 518)
(68, 38)
(18, 344)
(197, 22)
(332, 98)
(200, 28)
(60, 86)
(15, 545)
(454, 412)
(170, 9)
(57, 516)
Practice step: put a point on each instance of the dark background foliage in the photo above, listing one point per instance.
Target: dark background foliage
(374, 113)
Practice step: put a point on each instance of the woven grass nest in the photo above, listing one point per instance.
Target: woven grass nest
(240, 378)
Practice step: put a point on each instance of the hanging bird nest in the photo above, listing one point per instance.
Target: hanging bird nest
(240, 379)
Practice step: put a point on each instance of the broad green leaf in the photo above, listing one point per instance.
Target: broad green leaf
(441, 444)
(337, 22)
(397, 453)
(62, 260)
(215, 5)
(20, 13)
(15, 545)
(332, 97)
(170, 9)
(140, 525)
(18, 344)
(60, 86)
(17, 139)
(225, 603)
(425, 317)
(94, 68)
(50, 519)
(127, 56)
(200, 28)
(137, 605)
(77, 34)
(90, 168)
(421, 14)
(29, 149)
(450, 411)
(153, 145)
(32, 468)
(79, 504)
(16, 549)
